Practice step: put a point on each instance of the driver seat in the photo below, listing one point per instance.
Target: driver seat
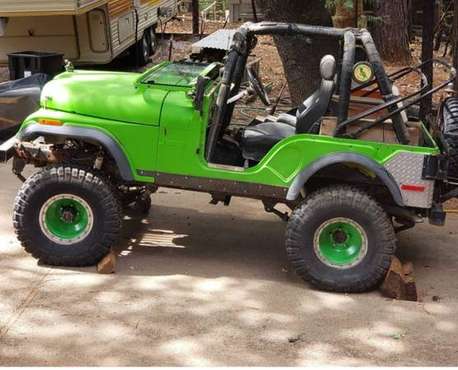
(258, 139)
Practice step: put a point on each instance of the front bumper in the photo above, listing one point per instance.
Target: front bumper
(7, 149)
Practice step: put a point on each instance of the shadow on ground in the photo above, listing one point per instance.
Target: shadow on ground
(204, 285)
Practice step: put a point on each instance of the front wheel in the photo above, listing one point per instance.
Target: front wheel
(340, 239)
(67, 216)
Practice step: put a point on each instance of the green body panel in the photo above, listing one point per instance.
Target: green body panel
(107, 95)
(159, 130)
(138, 142)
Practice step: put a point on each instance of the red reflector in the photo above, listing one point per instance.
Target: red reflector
(417, 188)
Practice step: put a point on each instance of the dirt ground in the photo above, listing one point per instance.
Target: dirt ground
(205, 285)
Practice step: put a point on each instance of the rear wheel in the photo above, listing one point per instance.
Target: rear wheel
(450, 131)
(67, 216)
(340, 239)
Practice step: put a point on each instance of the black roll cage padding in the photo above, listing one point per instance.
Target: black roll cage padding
(394, 103)
(234, 68)
(348, 61)
(279, 28)
(244, 41)
(221, 104)
(394, 76)
(238, 73)
(232, 75)
(385, 85)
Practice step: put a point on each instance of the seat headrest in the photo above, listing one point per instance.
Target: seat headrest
(328, 67)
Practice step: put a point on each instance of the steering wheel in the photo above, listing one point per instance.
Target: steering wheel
(258, 86)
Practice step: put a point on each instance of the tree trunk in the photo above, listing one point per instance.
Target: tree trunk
(455, 42)
(254, 10)
(195, 17)
(391, 34)
(346, 16)
(410, 20)
(300, 55)
(427, 53)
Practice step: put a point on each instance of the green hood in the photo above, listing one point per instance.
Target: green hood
(108, 95)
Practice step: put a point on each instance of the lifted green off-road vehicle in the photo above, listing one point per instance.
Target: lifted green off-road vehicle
(354, 162)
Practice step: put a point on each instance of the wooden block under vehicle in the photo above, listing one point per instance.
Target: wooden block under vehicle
(400, 282)
(108, 264)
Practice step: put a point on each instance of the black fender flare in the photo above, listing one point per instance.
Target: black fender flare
(92, 135)
(353, 158)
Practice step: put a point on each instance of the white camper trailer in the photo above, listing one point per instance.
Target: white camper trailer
(85, 31)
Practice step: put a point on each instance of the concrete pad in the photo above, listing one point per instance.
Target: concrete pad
(205, 285)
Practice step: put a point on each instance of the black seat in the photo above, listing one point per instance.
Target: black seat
(258, 139)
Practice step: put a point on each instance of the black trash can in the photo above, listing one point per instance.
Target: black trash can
(26, 63)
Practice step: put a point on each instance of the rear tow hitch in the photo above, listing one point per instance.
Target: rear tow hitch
(406, 218)
(437, 215)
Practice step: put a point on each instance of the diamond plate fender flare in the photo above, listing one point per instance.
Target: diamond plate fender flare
(351, 158)
(89, 134)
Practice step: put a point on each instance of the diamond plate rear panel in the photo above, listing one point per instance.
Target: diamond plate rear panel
(407, 169)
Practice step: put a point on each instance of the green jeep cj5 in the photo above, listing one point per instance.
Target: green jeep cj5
(354, 162)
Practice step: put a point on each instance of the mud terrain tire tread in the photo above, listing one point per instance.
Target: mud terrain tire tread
(340, 201)
(450, 131)
(59, 179)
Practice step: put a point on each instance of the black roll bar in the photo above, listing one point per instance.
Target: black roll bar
(279, 28)
(244, 41)
(238, 54)
(236, 62)
(395, 109)
(385, 85)
(348, 61)
(394, 76)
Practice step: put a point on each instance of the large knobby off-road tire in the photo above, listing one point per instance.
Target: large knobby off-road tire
(340, 239)
(67, 216)
(450, 131)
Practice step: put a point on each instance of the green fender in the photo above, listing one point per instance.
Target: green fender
(358, 159)
(91, 135)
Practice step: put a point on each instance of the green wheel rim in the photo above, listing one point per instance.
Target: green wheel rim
(340, 243)
(66, 219)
